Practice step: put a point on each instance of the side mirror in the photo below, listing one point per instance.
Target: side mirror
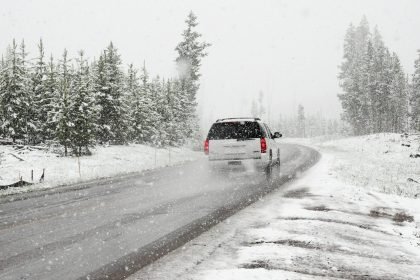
(277, 135)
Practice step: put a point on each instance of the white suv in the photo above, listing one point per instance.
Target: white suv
(244, 142)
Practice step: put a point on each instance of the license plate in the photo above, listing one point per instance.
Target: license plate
(234, 151)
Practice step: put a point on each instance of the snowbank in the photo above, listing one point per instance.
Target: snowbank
(105, 162)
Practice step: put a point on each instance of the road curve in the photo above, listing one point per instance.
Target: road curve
(111, 228)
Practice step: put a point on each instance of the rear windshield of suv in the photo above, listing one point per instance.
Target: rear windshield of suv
(235, 130)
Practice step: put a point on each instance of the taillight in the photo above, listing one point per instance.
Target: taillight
(206, 147)
(263, 146)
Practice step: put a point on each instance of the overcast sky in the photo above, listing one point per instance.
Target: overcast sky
(290, 50)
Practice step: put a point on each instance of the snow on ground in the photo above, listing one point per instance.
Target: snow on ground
(379, 162)
(325, 225)
(105, 162)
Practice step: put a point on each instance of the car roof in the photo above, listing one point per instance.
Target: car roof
(238, 119)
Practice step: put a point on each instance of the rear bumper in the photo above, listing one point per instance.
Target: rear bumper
(240, 164)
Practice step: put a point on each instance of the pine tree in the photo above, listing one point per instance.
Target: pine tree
(2, 71)
(15, 101)
(146, 115)
(368, 97)
(163, 111)
(379, 90)
(398, 100)
(190, 52)
(109, 84)
(42, 99)
(49, 105)
(155, 88)
(99, 78)
(415, 95)
(178, 101)
(83, 111)
(64, 104)
(362, 39)
(386, 78)
(348, 78)
(170, 114)
(132, 89)
(30, 113)
(301, 121)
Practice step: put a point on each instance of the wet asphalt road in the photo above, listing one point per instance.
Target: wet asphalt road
(113, 227)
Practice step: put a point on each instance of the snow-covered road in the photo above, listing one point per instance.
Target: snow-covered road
(115, 226)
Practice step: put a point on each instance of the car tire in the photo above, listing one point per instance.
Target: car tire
(269, 169)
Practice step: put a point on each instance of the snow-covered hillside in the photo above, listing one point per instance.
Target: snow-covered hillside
(105, 162)
(327, 224)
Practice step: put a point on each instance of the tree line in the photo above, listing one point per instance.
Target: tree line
(308, 125)
(377, 95)
(78, 103)
(300, 125)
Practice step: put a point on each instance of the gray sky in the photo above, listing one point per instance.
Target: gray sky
(290, 50)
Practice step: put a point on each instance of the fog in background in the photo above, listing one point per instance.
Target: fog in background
(289, 50)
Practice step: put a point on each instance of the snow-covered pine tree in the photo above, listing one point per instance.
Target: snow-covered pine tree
(166, 108)
(386, 79)
(109, 84)
(14, 86)
(50, 105)
(398, 97)
(367, 84)
(188, 108)
(408, 94)
(103, 133)
(168, 117)
(132, 89)
(179, 101)
(354, 77)
(146, 116)
(158, 138)
(372, 82)
(362, 39)
(64, 104)
(379, 92)
(415, 95)
(190, 52)
(41, 98)
(348, 69)
(30, 114)
(2, 63)
(83, 110)
(2, 68)
(177, 136)
(301, 121)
